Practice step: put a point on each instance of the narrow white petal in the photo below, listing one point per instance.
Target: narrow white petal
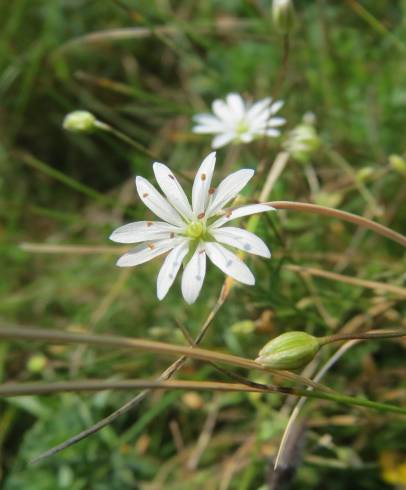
(236, 105)
(172, 189)
(170, 268)
(276, 106)
(229, 188)
(240, 212)
(207, 123)
(274, 133)
(141, 231)
(223, 112)
(242, 239)
(156, 203)
(276, 121)
(147, 251)
(202, 183)
(222, 140)
(247, 137)
(208, 129)
(258, 108)
(193, 275)
(229, 263)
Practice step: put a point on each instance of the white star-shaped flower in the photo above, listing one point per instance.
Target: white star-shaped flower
(234, 120)
(191, 232)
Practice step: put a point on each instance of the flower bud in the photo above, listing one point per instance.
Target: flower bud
(398, 164)
(364, 174)
(291, 350)
(303, 141)
(283, 16)
(80, 122)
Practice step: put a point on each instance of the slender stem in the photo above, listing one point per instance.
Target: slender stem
(348, 279)
(343, 215)
(20, 389)
(371, 335)
(123, 137)
(39, 334)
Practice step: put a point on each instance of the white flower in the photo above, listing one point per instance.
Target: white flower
(239, 121)
(191, 232)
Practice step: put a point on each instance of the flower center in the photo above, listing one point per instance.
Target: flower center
(195, 229)
(242, 127)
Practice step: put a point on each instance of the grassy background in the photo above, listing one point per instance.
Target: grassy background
(345, 64)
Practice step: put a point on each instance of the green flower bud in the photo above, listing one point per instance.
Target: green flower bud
(243, 328)
(37, 363)
(283, 16)
(291, 350)
(398, 164)
(303, 141)
(364, 174)
(80, 122)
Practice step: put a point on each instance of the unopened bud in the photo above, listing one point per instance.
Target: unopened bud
(283, 16)
(291, 350)
(398, 164)
(37, 363)
(243, 328)
(364, 174)
(80, 122)
(303, 141)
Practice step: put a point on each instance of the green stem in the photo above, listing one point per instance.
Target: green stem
(371, 335)
(343, 215)
(123, 137)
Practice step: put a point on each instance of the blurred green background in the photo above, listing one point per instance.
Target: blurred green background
(151, 66)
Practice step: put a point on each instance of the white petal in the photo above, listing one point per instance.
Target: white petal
(276, 121)
(193, 275)
(240, 212)
(274, 133)
(242, 239)
(207, 123)
(223, 112)
(208, 129)
(202, 183)
(222, 140)
(258, 108)
(236, 104)
(247, 137)
(172, 189)
(170, 268)
(148, 251)
(276, 106)
(229, 188)
(229, 263)
(141, 231)
(156, 203)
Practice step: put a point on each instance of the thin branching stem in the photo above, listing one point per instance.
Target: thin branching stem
(342, 215)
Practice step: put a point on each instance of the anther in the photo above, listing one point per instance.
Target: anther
(212, 190)
(171, 177)
(149, 223)
(145, 194)
(203, 177)
(151, 246)
(200, 216)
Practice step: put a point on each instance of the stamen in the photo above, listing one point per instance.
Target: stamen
(229, 213)
(145, 194)
(171, 176)
(201, 252)
(212, 190)
(172, 235)
(203, 177)
(149, 223)
(151, 246)
(200, 216)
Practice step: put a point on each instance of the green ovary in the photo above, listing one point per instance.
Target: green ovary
(195, 230)
(242, 127)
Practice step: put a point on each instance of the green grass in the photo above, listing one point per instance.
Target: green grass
(57, 188)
